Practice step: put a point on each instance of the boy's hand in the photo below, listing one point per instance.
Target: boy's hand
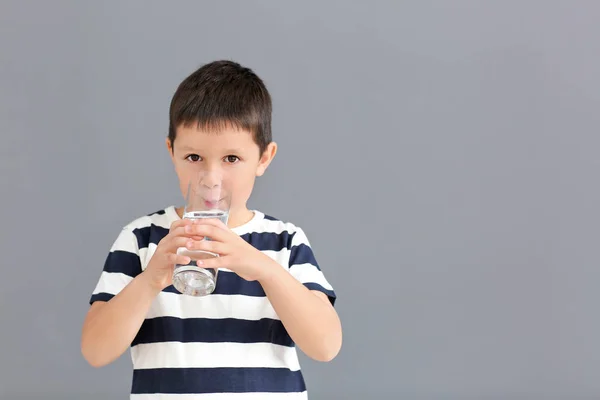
(160, 268)
(235, 253)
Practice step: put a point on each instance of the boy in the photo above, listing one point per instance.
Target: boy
(239, 342)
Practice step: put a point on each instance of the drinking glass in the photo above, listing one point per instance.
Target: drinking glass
(206, 198)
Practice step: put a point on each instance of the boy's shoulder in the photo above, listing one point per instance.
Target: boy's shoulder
(162, 218)
(267, 232)
(273, 224)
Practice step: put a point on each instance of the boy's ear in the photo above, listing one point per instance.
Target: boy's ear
(169, 147)
(266, 158)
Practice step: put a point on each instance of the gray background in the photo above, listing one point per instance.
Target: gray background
(442, 157)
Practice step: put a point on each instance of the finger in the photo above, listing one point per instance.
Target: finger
(210, 221)
(185, 230)
(177, 242)
(211, 231)
(175, 259)
(210, 246)
(179, 223)
(214, 262)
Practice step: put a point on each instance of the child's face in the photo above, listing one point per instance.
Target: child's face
(230, 151)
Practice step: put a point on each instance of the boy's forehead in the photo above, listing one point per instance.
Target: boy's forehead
(194, 138)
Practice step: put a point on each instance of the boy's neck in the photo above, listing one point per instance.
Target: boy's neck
(237, 217)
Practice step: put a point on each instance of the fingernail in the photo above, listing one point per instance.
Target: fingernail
(199, 262)
(188, 229)
(190, 244)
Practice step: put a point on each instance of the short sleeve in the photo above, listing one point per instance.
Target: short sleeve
(304, 267)
(121, 266)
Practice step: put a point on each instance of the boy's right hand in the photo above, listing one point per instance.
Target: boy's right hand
(159, 271)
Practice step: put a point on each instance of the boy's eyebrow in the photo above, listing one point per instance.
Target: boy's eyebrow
(188, 148)
(228, 151)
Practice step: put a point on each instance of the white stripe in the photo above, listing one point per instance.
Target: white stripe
(222, 396)
(126, 241)
(266, 226)
(281, 256)
(143, 254)
(306, 273)
(146, 254)
(213, 355)
(278, 227)
(215, 306)
(112, 282)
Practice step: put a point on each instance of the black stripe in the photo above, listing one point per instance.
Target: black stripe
(124, 262)
(217, 380)
(149, 234)
(268, 217)
(269, 240)
(101, 297)
(205, 330)
(260, 240)
(232, 283)
(303, 254)
(159, 212)
(330, 293)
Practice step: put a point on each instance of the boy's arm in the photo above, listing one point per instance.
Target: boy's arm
(309, 318)
(124, 294)
(110, 327)
(307, 315)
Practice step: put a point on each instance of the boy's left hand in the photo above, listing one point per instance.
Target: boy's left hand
(235, 253)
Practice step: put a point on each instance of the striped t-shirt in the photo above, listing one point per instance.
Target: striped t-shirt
(228, 345)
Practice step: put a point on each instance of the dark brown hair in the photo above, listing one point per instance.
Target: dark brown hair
(222, 94)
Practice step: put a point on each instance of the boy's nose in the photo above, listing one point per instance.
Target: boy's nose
(211, 178)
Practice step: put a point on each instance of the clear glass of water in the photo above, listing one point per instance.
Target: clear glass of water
(206, 198)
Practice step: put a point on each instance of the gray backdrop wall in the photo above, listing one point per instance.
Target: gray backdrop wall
(454, 144)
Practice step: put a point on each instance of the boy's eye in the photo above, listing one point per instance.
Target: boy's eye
(232, 159)
(193, 157)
